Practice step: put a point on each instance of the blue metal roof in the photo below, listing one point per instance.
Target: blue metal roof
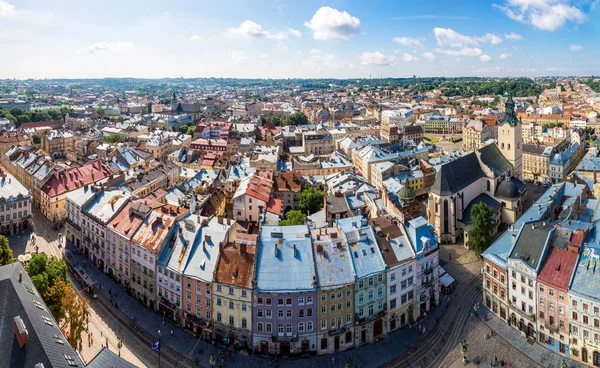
(586, 281)
(282, 270)
(366, 257)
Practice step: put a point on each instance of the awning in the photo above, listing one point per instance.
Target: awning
(447, 280)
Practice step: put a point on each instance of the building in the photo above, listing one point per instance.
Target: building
(200, 270)
(584, 307)
(54, 191)
(425, 245)
(251, 198)
(58, 143)
(335, 295)
(390, 133)
(146, 246)
(536, 162)
(370, 285)
(397, 117)
(119, 234)
(233, 285)
(34, 337)
(553, 283)
(475, 134)
(317, 142)
(15, 205)
(288, 186)
(510, 140)
(284, 308)
(97, 212)
(561, 163)
(524, 263)
(484, 175)
(400, 259)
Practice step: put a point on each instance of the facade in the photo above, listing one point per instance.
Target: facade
(510, 139)
(400, 259)
(57, 143)
(317, 143)
(15, 205)
(335, 296)
(233, 285)
(536, 162)
(288, 186)
(370, 285)
(251, 198)
(475, 134)
(284, 306)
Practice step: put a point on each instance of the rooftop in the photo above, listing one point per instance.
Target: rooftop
(104, 205)
(366, 257)
(332, 258)
(202, 259)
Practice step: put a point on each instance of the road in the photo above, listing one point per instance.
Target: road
(431, 351)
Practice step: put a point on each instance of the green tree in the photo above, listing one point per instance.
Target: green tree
(44, 271)
(482, 227)
(6, 254)
(276, 120)
(293, 217)
(183, 129)
(149, 107)
(311, 200)
(190, 130)
(76, 315)
(179, 108)
(54, 299)
(113, 138)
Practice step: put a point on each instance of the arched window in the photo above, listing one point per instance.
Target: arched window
(509, 146)
(488, 185)
(445, 230)
(502, 145)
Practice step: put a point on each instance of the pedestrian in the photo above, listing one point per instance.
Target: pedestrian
(491, 363)
(495, 360)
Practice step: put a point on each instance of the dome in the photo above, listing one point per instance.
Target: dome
(406, 193)
(508, 189)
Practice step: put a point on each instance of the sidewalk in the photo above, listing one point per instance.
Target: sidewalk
(536, 352)
(392, 346)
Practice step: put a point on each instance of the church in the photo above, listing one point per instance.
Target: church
(490, 174)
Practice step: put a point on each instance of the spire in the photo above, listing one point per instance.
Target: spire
(510, 115)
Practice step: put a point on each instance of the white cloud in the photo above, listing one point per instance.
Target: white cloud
(263, 56)
(115, 46)
(408, 57)
(331, 24)
(504, 55)
(465, 51)
(451, 38)
(429, 56)
(322, 61)
(574, 47)
(376, 58)
(408, 41)
(8, 10)
(513, 36)
(238, 57)
(485, 58)
(294, 32)
(195, 37)
(547, 15)
(249, 28)
(315, 51)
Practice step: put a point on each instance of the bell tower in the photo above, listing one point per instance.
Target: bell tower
(510, 137)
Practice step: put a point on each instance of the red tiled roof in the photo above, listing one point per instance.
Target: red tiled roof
(275, 206)
(259, 188)
(41, 124)
(74, 178)
(558, 269)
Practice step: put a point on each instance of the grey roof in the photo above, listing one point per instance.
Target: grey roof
(108, 359)
(456, 175)
(532, 243)
(508, 189)
(483, 197)
(22, 299)
(535, 149)
(366, 256)
(491, 157)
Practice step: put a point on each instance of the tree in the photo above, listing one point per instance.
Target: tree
(36, 139)
(183, 129)
(76, 312)
(293, 217)
(311, 200)
(149, 107)
(100, 112)
(113, 138)
(482, 227)
(6, 254)
(190, 130)
(44, 271)
(54, 299)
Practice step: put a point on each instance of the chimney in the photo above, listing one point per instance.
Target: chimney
(276, 250)
(204, 245)
(295, 251)
(20, 277)
(514, 237)
(243, 249)
(20, 331)
(532, 226)
(220, 219)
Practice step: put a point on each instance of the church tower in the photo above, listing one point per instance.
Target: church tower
(510, 137)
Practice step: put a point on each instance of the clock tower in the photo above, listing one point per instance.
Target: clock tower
(510, 137)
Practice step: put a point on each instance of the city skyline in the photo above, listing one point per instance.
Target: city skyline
(282, 39)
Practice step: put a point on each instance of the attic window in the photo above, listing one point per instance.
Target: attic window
(364, 252)
(355, 255)
(70, 360)
(372, 250)
(29, 288)
(38, 304)
(57, 339)
(47, 320)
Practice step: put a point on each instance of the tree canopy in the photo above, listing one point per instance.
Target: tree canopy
(311, 200)
(293, 217)
(6, 254)
(113, 138)
(481, 234)
(297, 118)
(44, 271)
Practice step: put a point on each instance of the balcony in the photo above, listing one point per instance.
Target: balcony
(337, 331)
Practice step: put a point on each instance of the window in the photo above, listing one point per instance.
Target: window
(269, 327)
(244, 323)
(301, 313)
(218, 301)
(244, 293)
(323, 309)
(380, 292)
(279, 314)
(574, 304)
(288, 314)
(230, 291)
(370, 281)
(348, 318)
(301, 300)
(332, 296)
(268, 301)
(323, 324)
(231, 319)
(393, 304)
(361, 298)
(333, 323)
(585, 319)
(392, 276)
(70, 360)
(309, 312)
(218, 316)
(380, 277)
(219, 288)
(231, 305)
(332, 308)
(244, 307)
(288, 301)
(323, 297)
(309, 326)
(259, 312)
(259, 326)
(280, 329)
(370, 294)
(361, 284)
(269, 313)
(309, 300)
(280, 301)
(301, 327)
(348, 304)
(574, 316)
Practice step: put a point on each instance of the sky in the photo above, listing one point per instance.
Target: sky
(298, 39)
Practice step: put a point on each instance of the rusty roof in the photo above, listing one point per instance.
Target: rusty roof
(234, 268)
(126, 222)
(156, 228)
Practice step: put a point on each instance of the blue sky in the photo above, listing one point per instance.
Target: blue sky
(308, 39)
